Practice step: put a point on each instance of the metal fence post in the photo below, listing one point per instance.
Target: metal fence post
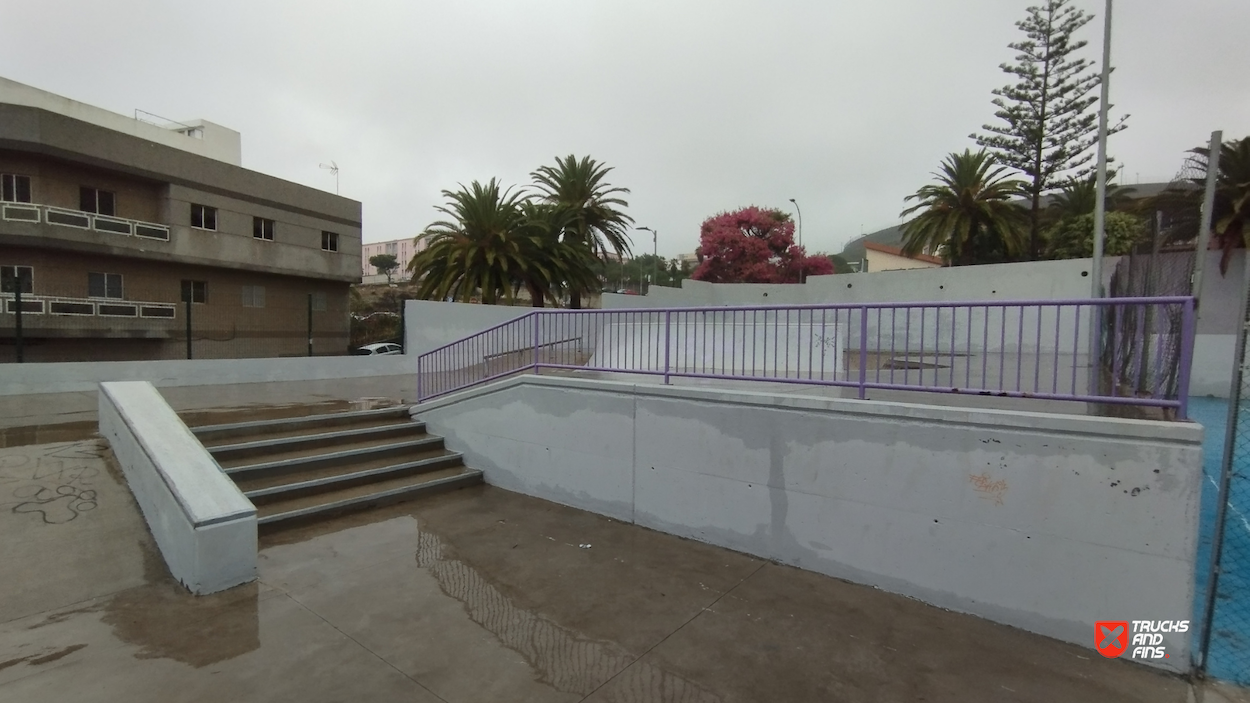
(863, 351)
(18, 346)
(536, 316)
(186, 303)
(310, 336)
(1186, 360)
(668, 344)
(419, 384)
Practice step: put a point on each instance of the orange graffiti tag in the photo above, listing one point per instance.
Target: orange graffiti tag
(989, 489)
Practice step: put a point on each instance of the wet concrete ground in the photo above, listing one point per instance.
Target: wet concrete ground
(477, 595)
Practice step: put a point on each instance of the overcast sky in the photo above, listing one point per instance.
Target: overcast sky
(701, 106)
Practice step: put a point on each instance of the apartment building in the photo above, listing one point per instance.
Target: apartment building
(113, 229)
(402, 249)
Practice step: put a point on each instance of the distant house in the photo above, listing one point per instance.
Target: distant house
(883, 257)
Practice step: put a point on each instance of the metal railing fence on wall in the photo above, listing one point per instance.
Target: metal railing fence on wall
(1022, 349)
(138, 318)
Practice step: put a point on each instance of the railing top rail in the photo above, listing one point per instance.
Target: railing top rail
(488, 330)
(1104, 302)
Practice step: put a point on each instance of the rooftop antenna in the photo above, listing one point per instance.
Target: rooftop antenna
(334, 169)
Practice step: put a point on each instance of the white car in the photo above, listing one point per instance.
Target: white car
(379, 349)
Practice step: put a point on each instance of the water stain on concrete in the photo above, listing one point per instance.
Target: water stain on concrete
(39, 659)
(562, 659)
(166, 622)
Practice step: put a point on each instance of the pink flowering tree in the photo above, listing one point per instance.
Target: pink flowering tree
(754, 245)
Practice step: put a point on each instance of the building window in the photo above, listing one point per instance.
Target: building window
(203, 217)
(10, 275)
(329, 241)
(101, 202)
(392, 248)
(14, 188)
(195, 291)
(253, 296)
(262, 228)
(318, 301)
(104, 285)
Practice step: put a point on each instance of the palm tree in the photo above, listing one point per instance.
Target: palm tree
(967, 216)
(1232, 195)
(565, 265)
(1079, 196)
(594, 208)
(486, 244)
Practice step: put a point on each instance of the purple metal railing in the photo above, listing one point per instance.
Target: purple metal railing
(1021, 349)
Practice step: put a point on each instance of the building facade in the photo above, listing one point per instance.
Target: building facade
(113, 229)
(402, 249)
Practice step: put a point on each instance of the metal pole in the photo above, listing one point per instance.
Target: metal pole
(186, 303)
(1208, 205)
(17, 320)
(310, 337)
(655, 254)
(1226, 465)
(802, 278)
(1100, 206)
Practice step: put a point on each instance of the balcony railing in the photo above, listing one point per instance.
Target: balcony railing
(56, 306)
(77, 219)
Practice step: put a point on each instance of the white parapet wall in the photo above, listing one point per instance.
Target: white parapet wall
(75, 376)
(1041, 521)
(204, 526)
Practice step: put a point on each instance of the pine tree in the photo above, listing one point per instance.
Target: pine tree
(1049, 124)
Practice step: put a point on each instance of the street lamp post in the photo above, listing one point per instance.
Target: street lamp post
(655, 253)
(800, 212)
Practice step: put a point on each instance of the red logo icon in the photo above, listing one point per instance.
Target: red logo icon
(1111, 637)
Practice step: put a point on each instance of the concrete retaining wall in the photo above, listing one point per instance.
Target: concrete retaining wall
(203, 525)
(69, 377)
(1045, 522)
(429, 324)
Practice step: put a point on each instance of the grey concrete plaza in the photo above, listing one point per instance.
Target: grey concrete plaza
(478, 595)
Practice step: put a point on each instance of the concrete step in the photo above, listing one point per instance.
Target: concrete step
(301, 484)
(338, 458)
(298, 444)
(358, 497)
(216, 434)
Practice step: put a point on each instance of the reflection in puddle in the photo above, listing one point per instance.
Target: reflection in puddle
(564, 660)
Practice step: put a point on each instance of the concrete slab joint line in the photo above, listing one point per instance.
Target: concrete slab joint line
(203, 524)
(977, 511)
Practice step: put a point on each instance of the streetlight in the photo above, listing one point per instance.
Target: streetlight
(655, 253)
(796, 209)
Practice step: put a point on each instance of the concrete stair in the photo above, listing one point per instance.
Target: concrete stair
(302, 468)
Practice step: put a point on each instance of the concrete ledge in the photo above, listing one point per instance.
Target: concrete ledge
(203, 525)
(1042, 521)
(73, 376)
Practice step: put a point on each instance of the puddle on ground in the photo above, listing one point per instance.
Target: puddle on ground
(562, 659)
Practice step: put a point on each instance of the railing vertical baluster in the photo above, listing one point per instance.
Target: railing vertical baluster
(920, 364)
(893, 334)
(985, 345)
(1054, 372)
(1186, 359)
(824, 343)
(937, 343)
(1037, 366)
(419, 386)
(906, 351)
(968, 352)
(863, 351)
(1002, 349)
(1118, 311)
(1019, 346)
(1076, 345)
(954, 325)
(667, 343)
(877, 375)
(536, 316)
